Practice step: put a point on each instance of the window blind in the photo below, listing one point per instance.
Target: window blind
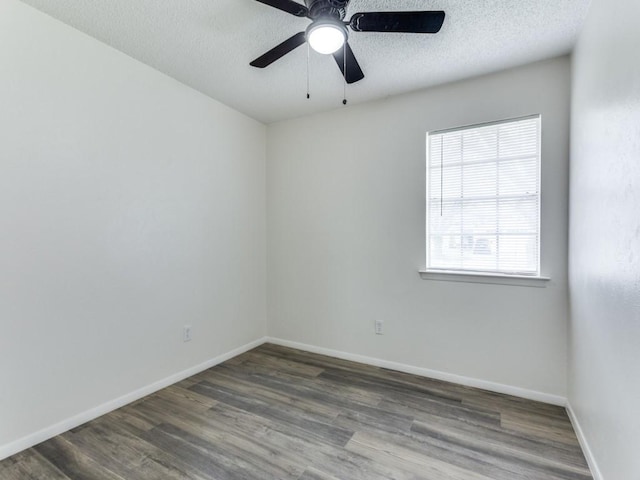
(483, 198)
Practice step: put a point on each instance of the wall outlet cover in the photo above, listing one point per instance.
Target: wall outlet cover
(379, 327)
(186, 333)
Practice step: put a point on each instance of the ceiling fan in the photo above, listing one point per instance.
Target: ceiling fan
(328, 34)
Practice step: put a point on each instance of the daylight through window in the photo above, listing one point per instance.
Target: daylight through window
(483, 198)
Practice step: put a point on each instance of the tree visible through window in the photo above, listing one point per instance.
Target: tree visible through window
(483, 198)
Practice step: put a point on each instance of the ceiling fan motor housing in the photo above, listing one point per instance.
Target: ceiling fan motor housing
(327, 8)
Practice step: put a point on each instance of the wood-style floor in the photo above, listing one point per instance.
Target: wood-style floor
(278, 413)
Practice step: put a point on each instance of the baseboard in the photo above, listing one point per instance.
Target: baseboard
(588, 454)
(425, 372)
(88, 415)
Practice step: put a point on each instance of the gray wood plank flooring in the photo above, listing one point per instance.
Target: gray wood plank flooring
(279, 413)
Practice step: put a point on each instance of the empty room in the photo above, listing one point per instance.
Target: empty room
(320, 240)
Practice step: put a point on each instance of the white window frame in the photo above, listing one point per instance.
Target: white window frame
(503, 278)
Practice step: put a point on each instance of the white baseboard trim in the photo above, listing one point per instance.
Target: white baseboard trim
(588, 454)
(425, 372)
(88, 415)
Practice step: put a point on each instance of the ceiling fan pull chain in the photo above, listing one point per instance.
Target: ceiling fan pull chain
(344, 66)
(308, 95)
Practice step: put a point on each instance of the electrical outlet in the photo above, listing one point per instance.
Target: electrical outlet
(186, 333)
(379, 327)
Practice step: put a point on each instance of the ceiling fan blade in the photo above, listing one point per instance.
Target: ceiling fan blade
(354, 72)
(405, 22)
(279, 51)
(288, 6)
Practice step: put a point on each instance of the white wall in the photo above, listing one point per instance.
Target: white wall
(346, 235)
(130, 205)
(604, 386)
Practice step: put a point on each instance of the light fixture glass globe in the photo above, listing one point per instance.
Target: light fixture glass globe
(326, 37)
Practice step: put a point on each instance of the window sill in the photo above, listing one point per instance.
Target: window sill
(496, 279)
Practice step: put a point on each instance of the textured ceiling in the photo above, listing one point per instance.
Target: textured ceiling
(208, 44)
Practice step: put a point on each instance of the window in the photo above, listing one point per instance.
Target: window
(483, 199)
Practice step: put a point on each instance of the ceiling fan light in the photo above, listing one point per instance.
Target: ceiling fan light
(326, 37)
